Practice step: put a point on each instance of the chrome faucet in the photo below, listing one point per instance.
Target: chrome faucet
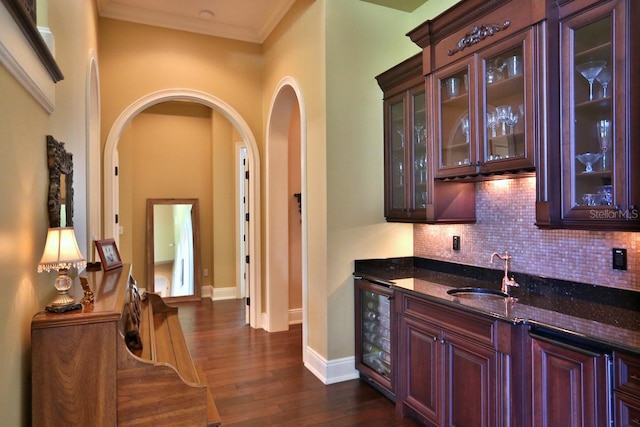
(507, 282)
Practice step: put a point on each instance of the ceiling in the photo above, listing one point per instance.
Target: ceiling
(246, 20)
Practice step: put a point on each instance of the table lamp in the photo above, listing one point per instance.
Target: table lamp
(61, 252)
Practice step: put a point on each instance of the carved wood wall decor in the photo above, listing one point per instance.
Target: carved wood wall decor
(60, 170)
(477, 34)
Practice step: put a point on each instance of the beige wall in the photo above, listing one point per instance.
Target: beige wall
(166, 152)
(23, 171)
(136, 60)
(333, 51)
(295, 217)
(296, 50)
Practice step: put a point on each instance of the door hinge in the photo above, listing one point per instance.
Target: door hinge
(117, 219)
(248, 301)
(115, 171)
(246, 174)
(246, 217)
(247, 259)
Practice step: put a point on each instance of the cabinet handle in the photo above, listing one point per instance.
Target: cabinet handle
(435, 339)
(442, 341)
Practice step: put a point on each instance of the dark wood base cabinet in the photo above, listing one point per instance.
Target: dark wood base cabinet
(456, 368)
(451, 367)
(571, 385)
(626, 395)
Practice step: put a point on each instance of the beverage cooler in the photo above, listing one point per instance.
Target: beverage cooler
(374, 325)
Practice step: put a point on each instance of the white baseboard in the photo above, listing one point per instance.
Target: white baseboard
(217, 294)
(330, 372)
(295, 316)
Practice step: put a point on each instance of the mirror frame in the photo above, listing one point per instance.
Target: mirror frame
(60, 163)
(24, 15)
(197, 263)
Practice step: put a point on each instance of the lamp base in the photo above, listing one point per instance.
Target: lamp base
(63, 301)
(63, 308)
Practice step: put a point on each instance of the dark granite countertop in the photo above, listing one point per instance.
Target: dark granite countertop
(595, 314)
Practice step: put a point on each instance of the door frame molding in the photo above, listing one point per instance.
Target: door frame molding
(110, 159)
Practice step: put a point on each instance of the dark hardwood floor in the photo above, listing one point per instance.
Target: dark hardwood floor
(258, 379)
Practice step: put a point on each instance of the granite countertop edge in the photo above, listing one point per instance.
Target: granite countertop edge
(613, 322)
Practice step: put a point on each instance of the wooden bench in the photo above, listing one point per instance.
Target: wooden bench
(118, 361)
(163, 344)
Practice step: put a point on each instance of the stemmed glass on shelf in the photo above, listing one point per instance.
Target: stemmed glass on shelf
(504, 113)
(604, 77)
(590, 71)
(604, 136)
(492, 123)
(464, 126)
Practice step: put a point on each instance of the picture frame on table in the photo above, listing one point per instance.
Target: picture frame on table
(109, 254)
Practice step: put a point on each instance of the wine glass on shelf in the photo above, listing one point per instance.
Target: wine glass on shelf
(604, 77)
(604, 137)
(492, 123)
(418, 129)
(590, 71)
(511, 121)
(464, 126)
(503, 112)
(401, 133)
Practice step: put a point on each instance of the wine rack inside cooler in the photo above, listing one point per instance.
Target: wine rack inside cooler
(376, 332)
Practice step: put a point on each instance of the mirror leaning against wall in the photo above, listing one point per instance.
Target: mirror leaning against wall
(173, 249)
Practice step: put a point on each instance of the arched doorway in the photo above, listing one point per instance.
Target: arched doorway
(110, 162)
(286, 124)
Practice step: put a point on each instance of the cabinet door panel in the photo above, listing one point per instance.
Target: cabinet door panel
(506, 107)
(470, 384)
(627, 411)
(455, 132)
(397, 163)
(421, 358)
(599, 154)
(569, 387)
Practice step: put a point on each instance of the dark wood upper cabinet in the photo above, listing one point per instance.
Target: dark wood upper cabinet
(591, 179)
(411, 194)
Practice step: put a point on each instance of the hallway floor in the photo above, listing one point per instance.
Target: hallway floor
(258, 379)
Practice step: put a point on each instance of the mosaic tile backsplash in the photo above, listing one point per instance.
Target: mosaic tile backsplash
(505, 211)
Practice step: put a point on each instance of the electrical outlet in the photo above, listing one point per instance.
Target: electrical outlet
(205, 272)
(456, 243)
(619, 259)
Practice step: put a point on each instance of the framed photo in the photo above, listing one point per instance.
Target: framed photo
(109, 255)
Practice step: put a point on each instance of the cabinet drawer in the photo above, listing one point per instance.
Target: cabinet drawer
(627, 374)
(476, 328)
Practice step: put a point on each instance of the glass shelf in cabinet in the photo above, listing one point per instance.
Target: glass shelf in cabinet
(506, 89)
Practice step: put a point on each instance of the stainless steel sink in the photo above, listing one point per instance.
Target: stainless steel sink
(477, 293)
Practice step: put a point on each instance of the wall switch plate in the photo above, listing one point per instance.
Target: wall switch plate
(456, 243)
(619, 259)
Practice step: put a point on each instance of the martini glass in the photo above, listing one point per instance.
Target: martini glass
(588, 160)
(590, 71)
(604, 77)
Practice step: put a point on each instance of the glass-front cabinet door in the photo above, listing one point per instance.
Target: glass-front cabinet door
(597, 178)
(506, 105)
(406, 170)
(455, 125)
(396, 169)
(486, 110)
